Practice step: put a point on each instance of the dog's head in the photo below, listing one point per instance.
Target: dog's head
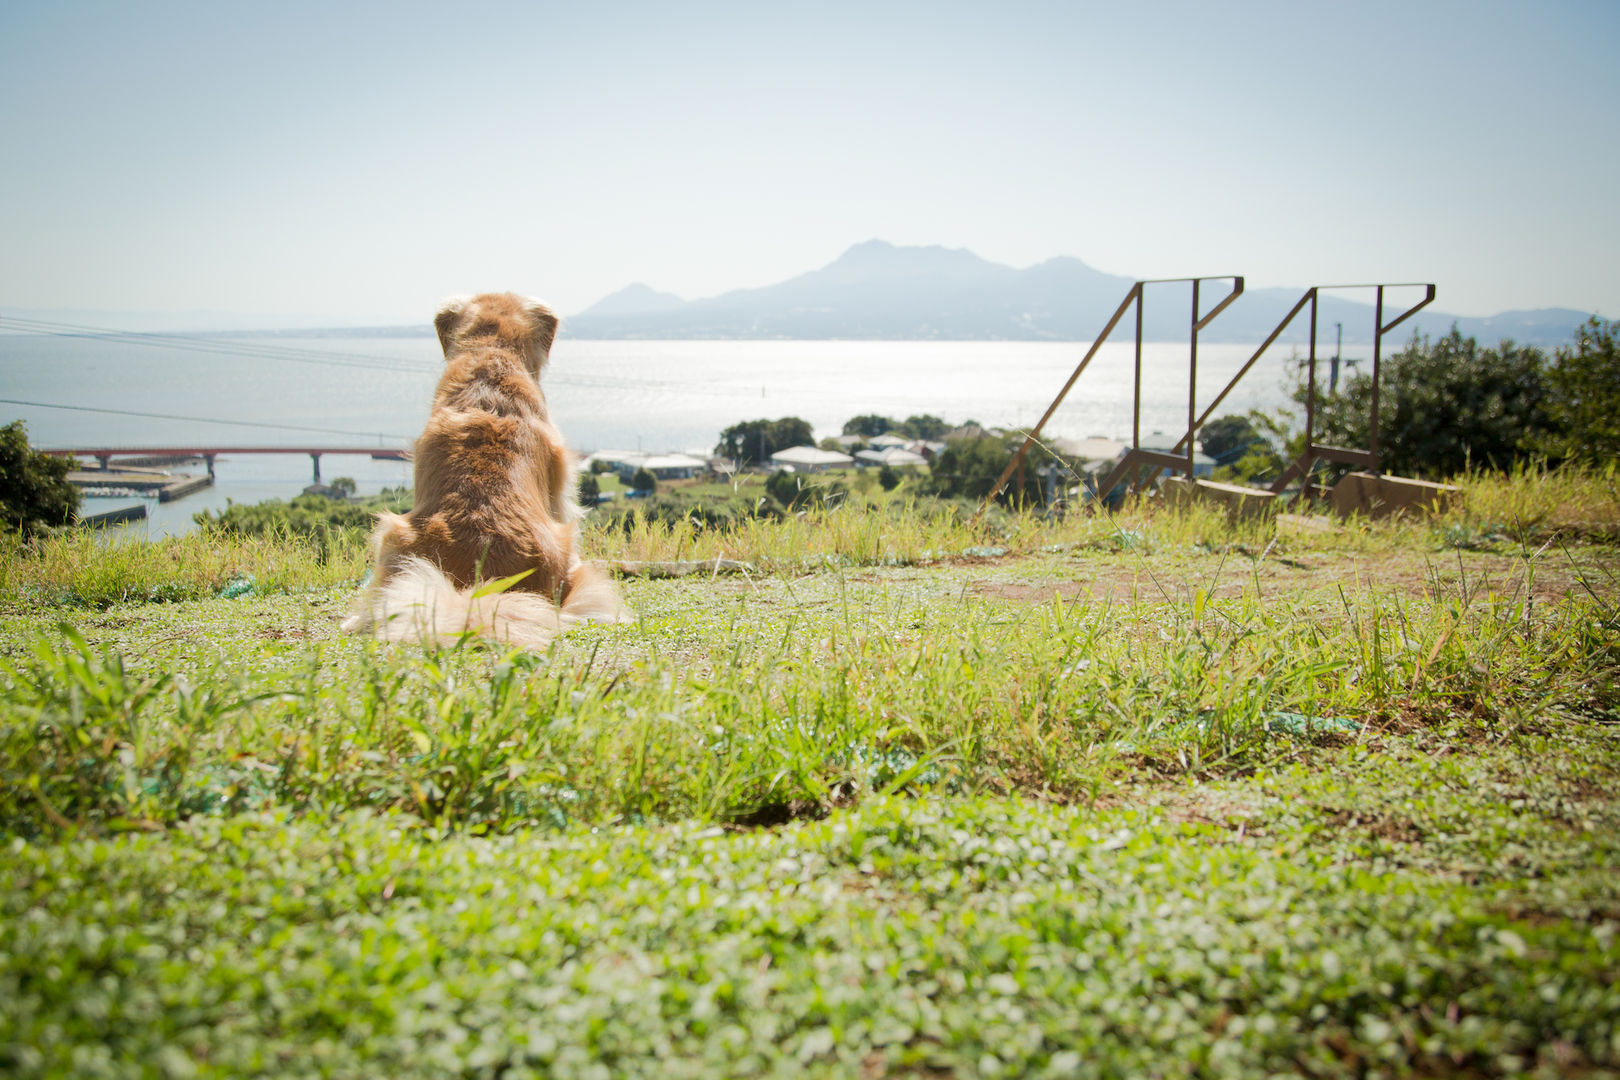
(504, 319)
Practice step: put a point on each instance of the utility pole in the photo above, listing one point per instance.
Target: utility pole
(1338, 347)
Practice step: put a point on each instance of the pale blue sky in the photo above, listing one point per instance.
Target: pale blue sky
(357, 162)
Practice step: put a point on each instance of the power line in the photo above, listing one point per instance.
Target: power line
(330, 358)
(201, 419)
(323, 357)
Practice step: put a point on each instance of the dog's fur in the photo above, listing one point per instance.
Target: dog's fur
(494, 497)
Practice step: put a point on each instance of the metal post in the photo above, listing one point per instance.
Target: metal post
(1378, 348)
(1136, 408)
(1338, 350)
(1310, 403)
(1192, 381)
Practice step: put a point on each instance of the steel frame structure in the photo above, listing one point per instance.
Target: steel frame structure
(1180, 457)
(1367, 459)
(1136, 455)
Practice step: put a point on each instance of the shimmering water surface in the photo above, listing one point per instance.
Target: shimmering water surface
(652, 395)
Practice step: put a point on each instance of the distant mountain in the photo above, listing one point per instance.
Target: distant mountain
(877, 290)
(637, 299)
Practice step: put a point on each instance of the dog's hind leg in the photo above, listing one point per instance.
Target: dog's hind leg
(393, 536)
(592, 597)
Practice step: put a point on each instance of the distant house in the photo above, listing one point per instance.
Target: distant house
(616, 459)
(967, 431)
(883, 442)
(895, 457)
(810, 459)
(663, 466)
(674, 466)
(1093, 448)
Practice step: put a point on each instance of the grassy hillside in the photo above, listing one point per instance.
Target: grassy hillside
(1144, 794)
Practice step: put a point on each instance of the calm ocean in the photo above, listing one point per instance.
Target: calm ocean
(650, 395)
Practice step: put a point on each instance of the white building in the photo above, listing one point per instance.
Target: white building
(810, 459)
(663, 466)
(895, 457)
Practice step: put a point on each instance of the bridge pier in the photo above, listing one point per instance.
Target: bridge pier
(106, 461)
(316, 459)
(210, 459)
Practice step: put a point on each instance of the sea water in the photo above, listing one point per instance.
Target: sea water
(370, 393)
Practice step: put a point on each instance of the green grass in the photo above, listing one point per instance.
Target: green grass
(964, 936)
(1154, 793)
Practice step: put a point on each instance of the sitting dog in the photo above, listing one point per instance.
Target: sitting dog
(494, 498)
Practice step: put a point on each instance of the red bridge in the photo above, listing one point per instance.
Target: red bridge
(105, 454)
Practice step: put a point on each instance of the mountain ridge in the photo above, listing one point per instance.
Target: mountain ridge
(882, 291)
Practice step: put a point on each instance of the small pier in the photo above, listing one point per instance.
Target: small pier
(137, 512)
(140, 482)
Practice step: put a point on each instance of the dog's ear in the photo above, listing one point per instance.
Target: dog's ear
(446, 320)
(545, 323)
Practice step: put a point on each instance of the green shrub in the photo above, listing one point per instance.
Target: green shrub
(34, 489)
(968, 468)
(797, 491)
(673, 507)
(1445, 405)
(1583, 400)
(314, 517)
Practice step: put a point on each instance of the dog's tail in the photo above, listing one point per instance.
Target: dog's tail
(419, 603)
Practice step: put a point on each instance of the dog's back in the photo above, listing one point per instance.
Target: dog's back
(494, 480)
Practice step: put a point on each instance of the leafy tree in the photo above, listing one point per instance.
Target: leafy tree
(888, 478)
(34, 489)
(924, 426)
(1445, 405)
(643, 480)
(599, 466)
(868, 425)
(590, 490)
(344, 486)
(1583, 398)
(968, 468)
(1245, 448)
(1226, 436)
(754, 441)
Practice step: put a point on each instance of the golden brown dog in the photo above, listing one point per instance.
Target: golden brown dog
(494, 497)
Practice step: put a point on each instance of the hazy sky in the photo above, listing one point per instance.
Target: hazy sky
(357, 162)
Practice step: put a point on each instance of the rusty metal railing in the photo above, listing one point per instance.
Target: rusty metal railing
(1136, 457)
(1133, 298)
(1367, 459)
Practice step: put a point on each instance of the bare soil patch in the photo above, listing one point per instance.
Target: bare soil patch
(1473, 577)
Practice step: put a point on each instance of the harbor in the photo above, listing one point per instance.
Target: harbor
(138, 482)
(159, 491)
